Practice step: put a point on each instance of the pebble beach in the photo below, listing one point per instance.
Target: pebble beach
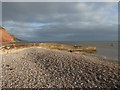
(42, 68)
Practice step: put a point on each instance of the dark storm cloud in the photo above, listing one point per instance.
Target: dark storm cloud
(61, 21)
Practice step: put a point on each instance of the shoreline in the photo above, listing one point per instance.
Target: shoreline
(15, 50)
(103, 49)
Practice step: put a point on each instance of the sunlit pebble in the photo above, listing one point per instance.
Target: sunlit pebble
(81, 83)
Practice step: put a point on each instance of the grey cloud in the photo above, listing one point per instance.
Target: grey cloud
(61, 21)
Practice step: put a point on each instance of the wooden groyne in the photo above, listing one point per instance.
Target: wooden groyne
(50, 45)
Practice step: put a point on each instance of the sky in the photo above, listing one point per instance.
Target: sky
(61, 21)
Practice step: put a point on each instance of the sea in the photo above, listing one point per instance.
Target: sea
(106, 50)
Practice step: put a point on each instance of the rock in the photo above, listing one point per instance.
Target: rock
(6, 37)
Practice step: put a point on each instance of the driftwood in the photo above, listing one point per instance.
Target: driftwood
(50, 45)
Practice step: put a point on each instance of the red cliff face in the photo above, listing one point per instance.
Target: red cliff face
(5, 36)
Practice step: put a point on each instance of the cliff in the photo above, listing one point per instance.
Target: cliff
(5, 36)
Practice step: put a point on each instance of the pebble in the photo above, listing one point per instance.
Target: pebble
(42, 68)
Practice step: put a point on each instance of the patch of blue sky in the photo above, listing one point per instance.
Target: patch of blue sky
(30, 29)
(10, 27)
(37, 24)
(113, 13)
(113, 10)
(113, 22)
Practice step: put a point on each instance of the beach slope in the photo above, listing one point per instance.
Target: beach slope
(42, 68)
